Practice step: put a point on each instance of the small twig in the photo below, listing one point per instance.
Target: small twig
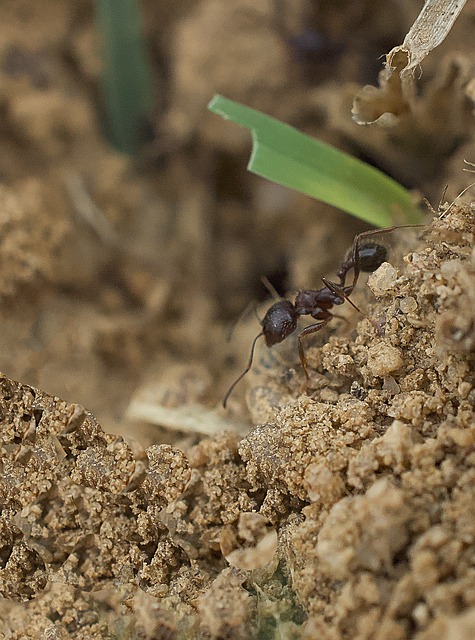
(89, 211)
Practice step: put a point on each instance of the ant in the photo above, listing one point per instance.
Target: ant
(281, 319)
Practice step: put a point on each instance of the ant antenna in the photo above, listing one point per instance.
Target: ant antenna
(270, 288)
(248, 367)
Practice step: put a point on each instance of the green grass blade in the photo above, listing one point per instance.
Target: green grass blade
(291, 158)
(126, 75)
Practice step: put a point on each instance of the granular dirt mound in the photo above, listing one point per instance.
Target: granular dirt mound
(349, 513)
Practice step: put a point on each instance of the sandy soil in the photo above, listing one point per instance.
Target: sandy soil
(339, 509)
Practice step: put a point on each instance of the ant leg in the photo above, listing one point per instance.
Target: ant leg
(340, 292)
(313, 328)
(248, 367)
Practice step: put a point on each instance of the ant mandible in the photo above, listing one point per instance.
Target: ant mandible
(281, 319)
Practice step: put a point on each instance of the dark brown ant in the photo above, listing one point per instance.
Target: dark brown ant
(281, 319)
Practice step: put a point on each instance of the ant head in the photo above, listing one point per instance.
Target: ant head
(371, 256)
(279, 322)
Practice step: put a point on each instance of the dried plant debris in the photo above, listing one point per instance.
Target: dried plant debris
(405, 113)
(404, 122)
(176, 399)
(397, 81)
(348, 514)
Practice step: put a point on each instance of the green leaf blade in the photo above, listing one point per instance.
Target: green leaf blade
(291, 158)
(127, 79)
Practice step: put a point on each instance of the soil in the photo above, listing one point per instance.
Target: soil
(338, 508)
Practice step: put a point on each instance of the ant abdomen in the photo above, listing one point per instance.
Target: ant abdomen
(371, 256)
(279, 322)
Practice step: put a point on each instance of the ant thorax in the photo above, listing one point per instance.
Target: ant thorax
(315, 301)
